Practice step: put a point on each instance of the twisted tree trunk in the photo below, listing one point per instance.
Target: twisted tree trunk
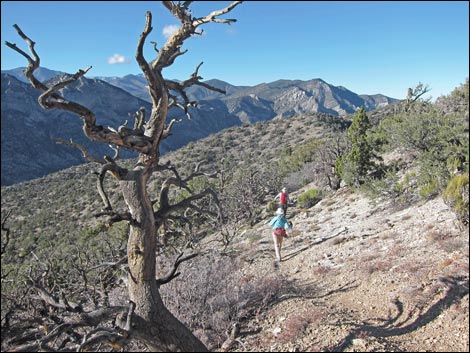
(156, 326)
(148, 320)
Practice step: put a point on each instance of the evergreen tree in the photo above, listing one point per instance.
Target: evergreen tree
(355, 164)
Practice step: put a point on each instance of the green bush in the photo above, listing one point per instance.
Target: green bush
(294, 160)
(456, 194)
(272, 206)
(310, 198)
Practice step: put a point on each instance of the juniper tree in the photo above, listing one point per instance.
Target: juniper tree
(146, 319)
(354, 165)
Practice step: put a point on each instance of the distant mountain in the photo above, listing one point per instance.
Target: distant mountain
(28, 150)
(41, 73)
(289, 97)
(134, 84)
(28, 130)
(199, 93)
(268, 100)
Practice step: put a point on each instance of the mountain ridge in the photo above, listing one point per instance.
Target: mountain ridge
(113, 99)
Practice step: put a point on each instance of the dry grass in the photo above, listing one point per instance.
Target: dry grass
(296, 324)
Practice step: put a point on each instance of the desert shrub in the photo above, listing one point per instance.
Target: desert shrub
(456, 102)
(436, 134)
(310, 198)
(245, 193)
(441, 143)
(301, 177)
(312, 161)
(296, 325)
(272, 206)
(294, 160)
(390, 186)
(456, 194)
(213, 294)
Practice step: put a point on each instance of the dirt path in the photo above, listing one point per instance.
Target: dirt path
(364, 277)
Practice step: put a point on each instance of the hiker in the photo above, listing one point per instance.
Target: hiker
(279, 225)
(284, 198)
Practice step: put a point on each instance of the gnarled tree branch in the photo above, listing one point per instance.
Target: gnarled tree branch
(116, 171)
(172, 274)
(50, 99)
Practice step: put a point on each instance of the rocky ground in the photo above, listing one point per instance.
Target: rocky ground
(363, 277)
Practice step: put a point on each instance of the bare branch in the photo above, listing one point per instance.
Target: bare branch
(167, 131)
(139, 117)
(154, 46)
(82, 149)
(414, 94)
(186, 4)
(52, 300)
(102, 335)
(165, 209)
(127, 325)
(193, 80)
(164, 200)
(115, 217)
(144, 66)
(33, 64)
(188, 27)
(198, 173)
(116, 171)
(157, 89)
(111, 265)
(168, 166)
(202, 211)
(163, 213)
(7, 232)
(212, 17)
(50, 99)
(172, 274)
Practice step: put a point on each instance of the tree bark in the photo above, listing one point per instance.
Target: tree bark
(155, 325)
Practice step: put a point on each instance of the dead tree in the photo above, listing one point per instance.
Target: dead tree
(413, 97)
(147, 319)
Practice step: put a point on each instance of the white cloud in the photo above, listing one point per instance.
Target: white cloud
(117, 59)
(169, 30)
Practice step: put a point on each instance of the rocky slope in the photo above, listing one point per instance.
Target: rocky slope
(364, 277)
(356, 275)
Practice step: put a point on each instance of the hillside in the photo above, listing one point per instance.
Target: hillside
(358, 274)
(355, 276)
(41, 204)
(361, 277)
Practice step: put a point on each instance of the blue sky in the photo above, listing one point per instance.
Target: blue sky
(368, 47)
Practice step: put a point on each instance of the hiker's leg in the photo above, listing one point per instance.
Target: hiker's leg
(279, 245)
(276, 247)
